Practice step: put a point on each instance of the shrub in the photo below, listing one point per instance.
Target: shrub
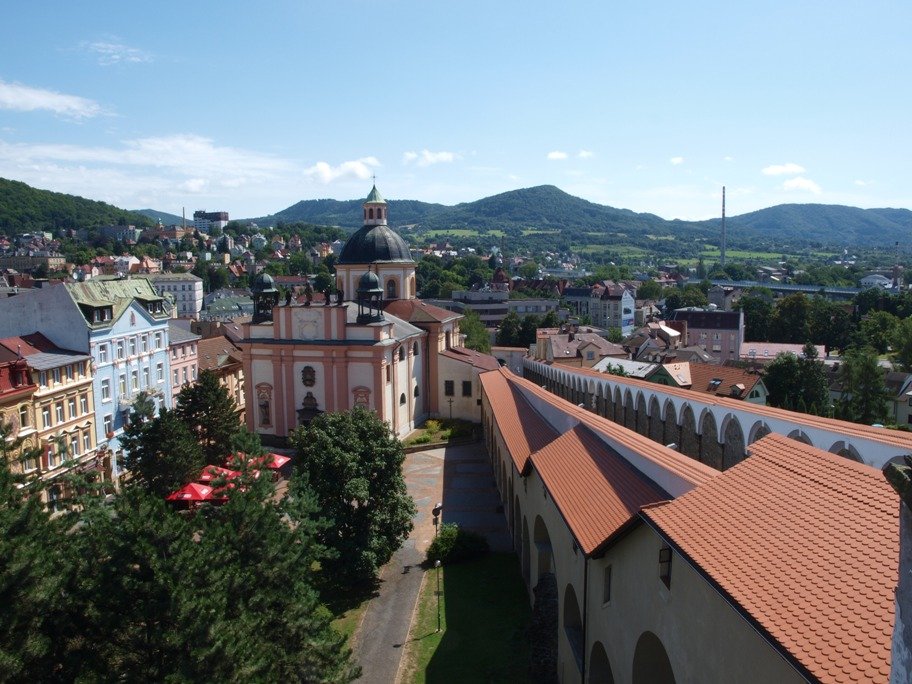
(421, 439)
(432, 426)
(454, 544)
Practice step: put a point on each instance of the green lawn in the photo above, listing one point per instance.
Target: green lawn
(485, 614)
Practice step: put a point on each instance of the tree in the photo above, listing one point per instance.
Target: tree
(211, 414)
(864, 395)
(353, 465)
(902, 345)
(790, 320)
(615, 335)
(528, 330)
(795, 382)
(649, 290)
(529, 270)
(877, 330)
(757, 305)
(508, 335)
(162, 454)
(477, 337)
(550, 320)
(829, 324)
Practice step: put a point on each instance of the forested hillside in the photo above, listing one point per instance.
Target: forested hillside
(24, 209)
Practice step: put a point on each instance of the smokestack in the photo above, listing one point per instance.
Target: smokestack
(722, 250)
(184, 215)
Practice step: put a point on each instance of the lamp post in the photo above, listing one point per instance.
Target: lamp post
(436, 511)
(437, 566)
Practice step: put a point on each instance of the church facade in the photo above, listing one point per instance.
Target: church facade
(373, 345)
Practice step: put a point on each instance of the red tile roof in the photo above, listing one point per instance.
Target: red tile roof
(702, 376)
(417, 311)
(523, 429)
(596, 490)
(484, 362)
(806, 544)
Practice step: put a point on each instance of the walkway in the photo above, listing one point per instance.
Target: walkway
(461, 478)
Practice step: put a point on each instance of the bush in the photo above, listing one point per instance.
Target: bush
(432, 426)
(454, 544)
(421, 439)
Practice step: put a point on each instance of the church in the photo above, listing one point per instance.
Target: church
(373, 345)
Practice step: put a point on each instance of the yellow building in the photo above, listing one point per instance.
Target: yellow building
(63, 413)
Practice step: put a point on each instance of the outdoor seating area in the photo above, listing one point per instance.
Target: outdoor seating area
(204, 490)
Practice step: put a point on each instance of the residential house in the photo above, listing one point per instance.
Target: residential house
(184, 289)
(182, 348)
(221, 356)
(719, 332)
(721, 381)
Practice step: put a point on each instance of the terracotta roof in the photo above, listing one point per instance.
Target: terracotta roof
(703, 378)
(893, 437)
(806, 545)
(214, 352)
(417, 311)
(596, 490)
(521, 426)
(477, 359)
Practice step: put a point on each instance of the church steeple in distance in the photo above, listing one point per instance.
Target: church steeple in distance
(374, 208)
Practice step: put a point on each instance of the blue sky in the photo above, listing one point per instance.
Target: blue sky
(650, 106)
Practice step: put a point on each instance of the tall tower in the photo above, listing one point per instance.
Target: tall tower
(722, 250)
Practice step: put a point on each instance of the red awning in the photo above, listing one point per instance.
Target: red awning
(213, 472)
(191, 492)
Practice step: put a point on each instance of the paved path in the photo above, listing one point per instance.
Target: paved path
(461, 478)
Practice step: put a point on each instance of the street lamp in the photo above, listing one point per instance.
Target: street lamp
(437, 565)
(436, 510)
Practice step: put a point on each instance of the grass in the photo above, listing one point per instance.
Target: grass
(439, 431)
(741, 253)
(539, 231)
(484, 621)
(346, 603)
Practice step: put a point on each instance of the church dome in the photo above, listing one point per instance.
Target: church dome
(372, 244)
(263, 283)
(369, 282)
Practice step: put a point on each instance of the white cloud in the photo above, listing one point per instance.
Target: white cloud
(789, 169)
(556, 154)
(728, 159)
(113, 52)
(585, 154)
(863, 183)
(676, 161)
(194, 185)
(426, 157)
(23, 98)
(801, 183)
(357, 168)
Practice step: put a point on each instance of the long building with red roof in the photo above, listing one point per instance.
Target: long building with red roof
(646, 565)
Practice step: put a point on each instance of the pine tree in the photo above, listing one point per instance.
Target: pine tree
(162, 454)
(211, 414)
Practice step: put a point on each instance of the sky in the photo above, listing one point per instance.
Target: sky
(651, 106)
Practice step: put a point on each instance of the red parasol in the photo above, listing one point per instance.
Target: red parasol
(213, 472)
(191, 492)
(275, 461)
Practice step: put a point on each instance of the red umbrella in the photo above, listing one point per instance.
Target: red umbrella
(275, 461)
(191, 492)
(213, 472)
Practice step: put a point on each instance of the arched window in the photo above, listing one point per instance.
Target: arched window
(379, 213)
(370, 213)
(416, 391)
(402, 353)
(414, 349)
(402, 399)
(391, 289)
(365, 214)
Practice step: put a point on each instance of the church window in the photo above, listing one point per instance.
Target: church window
(414, 349)
(416, 391)
(402, 353)
(448, 388)
(370, 213)
(391, 289)
(388, 374)
(402, 399)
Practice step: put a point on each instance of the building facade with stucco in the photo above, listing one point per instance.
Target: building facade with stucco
(371, 344)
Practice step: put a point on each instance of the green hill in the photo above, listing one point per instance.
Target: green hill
(24, 209)
(163, 216)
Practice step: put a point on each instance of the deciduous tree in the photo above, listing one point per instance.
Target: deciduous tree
(353, 465)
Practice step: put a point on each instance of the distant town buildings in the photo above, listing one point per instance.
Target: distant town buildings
(205, 221)
(184, 289)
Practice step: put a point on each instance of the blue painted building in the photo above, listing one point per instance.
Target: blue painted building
(122, 323)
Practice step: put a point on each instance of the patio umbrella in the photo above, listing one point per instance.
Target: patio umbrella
(191, 492)
(213, 472)
(275, 461)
